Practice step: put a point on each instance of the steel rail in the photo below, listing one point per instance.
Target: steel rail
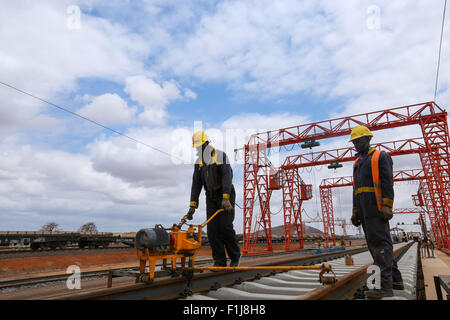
(13, 283)
(29, 282)
(171, 288)
(347, 285)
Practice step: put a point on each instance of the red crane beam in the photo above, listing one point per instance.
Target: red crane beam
(393, 148)
(401, 175)
(408, 210)
(377, 120)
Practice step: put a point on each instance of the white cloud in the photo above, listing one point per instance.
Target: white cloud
(154, 97)
(150, 94)
(45, 57)
(108, 108)
(189, 94)
(264, 122)
(140, 164)
(66, 187)
(269, 49)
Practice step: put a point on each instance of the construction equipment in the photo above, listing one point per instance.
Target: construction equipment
(310, 144)
(274, 179)
(305, 191)
(349, 260)
(334, 165)
(174, 244)
(432, 147)
(157, 244)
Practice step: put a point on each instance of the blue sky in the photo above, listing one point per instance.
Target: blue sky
(152, 69)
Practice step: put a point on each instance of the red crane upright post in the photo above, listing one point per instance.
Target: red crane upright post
(436, 165)
(326, 201)
(299, 196)
(288, 205)
(255, 179)
(292, 206)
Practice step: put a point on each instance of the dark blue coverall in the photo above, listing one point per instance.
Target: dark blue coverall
(376, 229)
(217, 178)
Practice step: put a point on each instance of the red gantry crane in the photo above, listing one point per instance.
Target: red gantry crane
(261, 178)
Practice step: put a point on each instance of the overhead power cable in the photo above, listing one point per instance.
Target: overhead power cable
(274, 214)
(439, 55)
(87, 119)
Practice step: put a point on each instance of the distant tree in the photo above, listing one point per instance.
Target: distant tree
(49, 227)
(88, 227)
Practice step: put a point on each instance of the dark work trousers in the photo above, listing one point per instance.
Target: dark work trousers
(221, 234)
(378, 239)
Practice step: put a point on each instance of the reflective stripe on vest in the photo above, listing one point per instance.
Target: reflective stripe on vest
(375, 178)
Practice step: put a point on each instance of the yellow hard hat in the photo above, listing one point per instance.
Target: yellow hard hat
(199, 138)
(360, 131)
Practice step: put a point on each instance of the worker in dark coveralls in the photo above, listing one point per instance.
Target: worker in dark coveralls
(212, 171)
(373, 198)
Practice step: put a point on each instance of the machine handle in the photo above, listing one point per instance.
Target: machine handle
(183, 221)
(215, 213)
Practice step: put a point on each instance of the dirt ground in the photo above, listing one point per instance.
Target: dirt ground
(35, 265)
(30, 265)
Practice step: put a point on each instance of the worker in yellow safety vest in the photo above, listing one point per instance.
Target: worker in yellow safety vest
(373, 199)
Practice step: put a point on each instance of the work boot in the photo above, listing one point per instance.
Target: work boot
(398, 286)
(379, 293)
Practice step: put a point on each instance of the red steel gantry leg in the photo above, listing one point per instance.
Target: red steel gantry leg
(436, 165)
(292, 206)
(326, 201)
(254, 180)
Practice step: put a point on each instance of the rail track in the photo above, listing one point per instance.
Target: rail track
(167, 288)
(303, 285)
(24, 287)
(21, 282)
(243, 285)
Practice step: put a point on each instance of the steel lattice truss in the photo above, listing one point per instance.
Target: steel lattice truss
(394, 148)
(433, 149)
(408, 211)
(401, 175)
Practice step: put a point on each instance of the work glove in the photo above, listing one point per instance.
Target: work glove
(226, 204)
(387, 213)
(190, 213)
(355, 220)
